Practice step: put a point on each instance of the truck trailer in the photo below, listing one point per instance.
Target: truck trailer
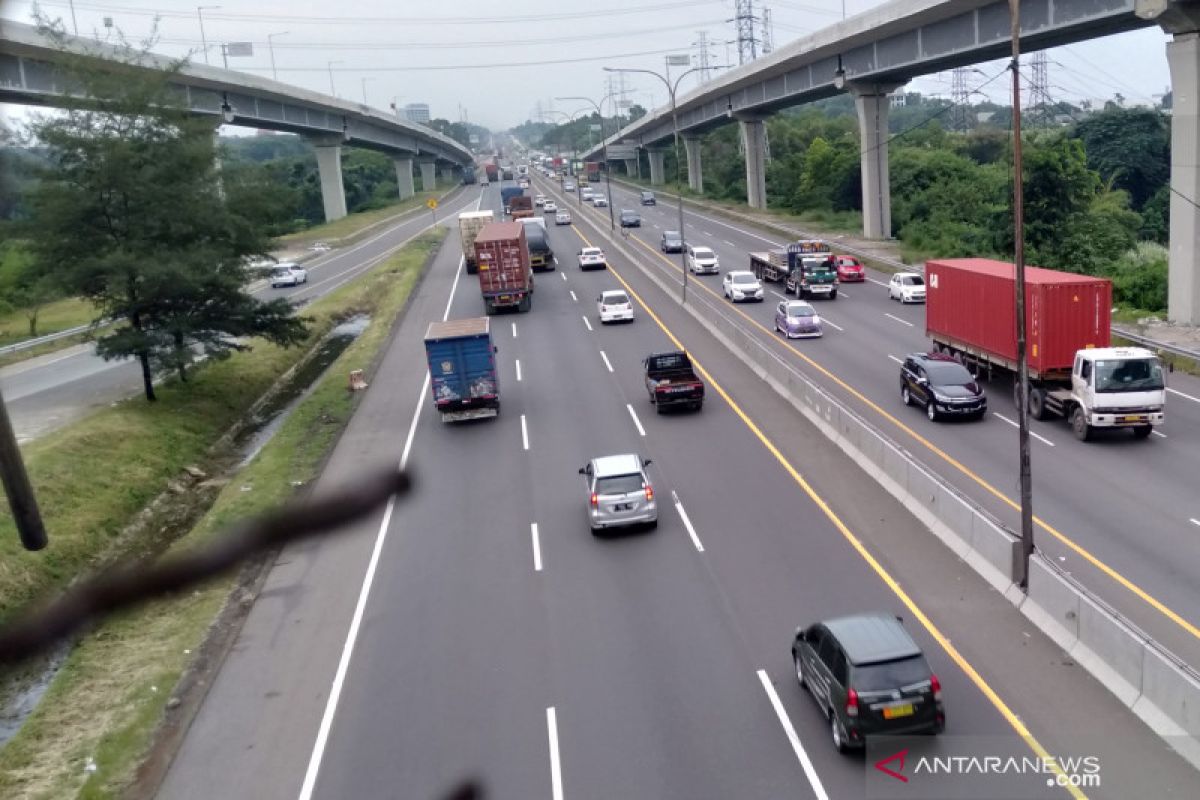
(505, 272)
(1074, 372)
(462, 369)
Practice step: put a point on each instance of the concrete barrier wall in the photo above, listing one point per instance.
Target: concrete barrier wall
(1156, 685)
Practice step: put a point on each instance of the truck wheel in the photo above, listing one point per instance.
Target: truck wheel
(833, 294)
(1083, 431)
(1037, 402)
(1142, 431)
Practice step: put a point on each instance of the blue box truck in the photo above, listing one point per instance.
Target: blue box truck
(462, 369)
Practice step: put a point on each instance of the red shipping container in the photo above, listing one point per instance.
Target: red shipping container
(970, 304)
(505, 274)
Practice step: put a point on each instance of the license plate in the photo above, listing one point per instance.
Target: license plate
(622, 507)
(892, 712)
(1130, 419)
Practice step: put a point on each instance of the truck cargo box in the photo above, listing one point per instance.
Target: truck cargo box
(505, 273)
(971, 305)
(470, 223)
(462, 368)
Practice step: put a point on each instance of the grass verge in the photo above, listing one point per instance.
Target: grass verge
(52, 318)
(351, 224)
(98, 717)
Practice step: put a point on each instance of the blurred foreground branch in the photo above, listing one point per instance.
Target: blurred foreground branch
(122, 586)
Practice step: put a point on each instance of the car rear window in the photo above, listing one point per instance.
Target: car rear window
(616, 299)
(890, 674)
(619, 484)
(913, 280)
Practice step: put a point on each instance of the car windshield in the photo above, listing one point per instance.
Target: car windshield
(703, 252)
(671, 236)
(615, 300)
(948, 373)
(619, 484)
(1134, 375)
(745, 277)
(800, 310)
(888, 675)
(913, 280)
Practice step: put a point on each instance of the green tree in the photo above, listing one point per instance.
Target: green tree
(1139, 277)
(130, 215)
(1131, 147)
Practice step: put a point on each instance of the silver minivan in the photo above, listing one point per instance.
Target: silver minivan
(619, 493)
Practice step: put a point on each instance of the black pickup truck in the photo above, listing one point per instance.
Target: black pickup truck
(671, 381)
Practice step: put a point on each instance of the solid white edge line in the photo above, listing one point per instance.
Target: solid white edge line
(573, 297)
(1039, 437)
(588, 323)
(901, 321)
(453, 288)
(556, 789)
(412, 427)
(814, 780)
(518, 363)
(524, 433)
(897, 360)
(1181, 394)
(687, 522)
(537, 547)
(636, 421)
(607, 363)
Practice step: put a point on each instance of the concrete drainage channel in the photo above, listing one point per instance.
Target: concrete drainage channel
(1150, 680)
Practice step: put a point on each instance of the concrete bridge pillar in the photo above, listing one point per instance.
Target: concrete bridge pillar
(329, 169)
(754, 142)
(631, 167)
(691, 144)
(872, 103)
(404, 176)
(1183, 273)
(657, 172)
(428, 175)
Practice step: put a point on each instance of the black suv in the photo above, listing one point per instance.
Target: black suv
(630, 219)
(648, 199)
(671, 242)
(869, 677)
(942, 385)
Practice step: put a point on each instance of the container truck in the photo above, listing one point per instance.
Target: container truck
(505, 274)
(520, 207)
(1074, 372)
(493, 172)
(462, 369)
(507, 193)
(470, 223)
(806, 267)
(541, 255)
(593, 172)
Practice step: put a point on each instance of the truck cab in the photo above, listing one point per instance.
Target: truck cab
(1114, 387)
(812, 270)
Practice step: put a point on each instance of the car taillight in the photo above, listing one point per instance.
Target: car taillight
(649, 492)
(595, 499)
(936, 686)
(851, 703)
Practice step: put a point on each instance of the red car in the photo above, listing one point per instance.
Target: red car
(850, 269)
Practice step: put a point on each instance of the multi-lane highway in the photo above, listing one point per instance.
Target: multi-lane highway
(47, 392)
(1122, 515)
(477, 629)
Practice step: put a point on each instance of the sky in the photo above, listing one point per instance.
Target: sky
(500, 63)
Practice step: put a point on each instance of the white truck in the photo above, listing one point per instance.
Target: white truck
(470, 223)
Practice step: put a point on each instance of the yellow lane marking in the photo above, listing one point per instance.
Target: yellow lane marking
(857, 544)
(1095, 561)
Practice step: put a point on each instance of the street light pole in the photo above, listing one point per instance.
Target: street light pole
(612, 223)
(271, 48)
(364, 88)
(671, 88)
(332, 88)
(200, 16)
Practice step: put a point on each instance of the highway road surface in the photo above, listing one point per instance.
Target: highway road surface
(1122, 515)
(52, 390)
(477, 629)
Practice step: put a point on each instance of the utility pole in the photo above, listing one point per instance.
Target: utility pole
(271, 49)
(703, 58)
(1019, 257)
(959, 97)
(1039, 87)
(744, 20)
(768, 35)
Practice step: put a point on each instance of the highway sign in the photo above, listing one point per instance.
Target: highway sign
(431, 203)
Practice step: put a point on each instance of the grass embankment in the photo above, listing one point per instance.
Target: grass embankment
(52, 318)
(351, 224)
(104, 704)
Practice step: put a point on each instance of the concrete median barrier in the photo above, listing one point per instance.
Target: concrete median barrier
(1052, 603)
(1110, 650)
(994, 551)
(1170, 696)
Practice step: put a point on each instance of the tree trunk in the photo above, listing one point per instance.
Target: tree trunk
(147, 379)
(33, 315)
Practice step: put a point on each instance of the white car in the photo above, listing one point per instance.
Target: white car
(562, 217)
(701, 260)
(614, 306)
(592, 258)
(288, 274)
(549, 206)
(539, 200)
(907, 287)
(740, 284)
(599, 201)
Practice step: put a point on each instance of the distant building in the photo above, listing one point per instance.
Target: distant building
(417, 112)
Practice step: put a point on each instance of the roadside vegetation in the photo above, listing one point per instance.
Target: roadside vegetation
(98, 717)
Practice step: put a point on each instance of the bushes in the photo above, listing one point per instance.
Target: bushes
(1139, 277)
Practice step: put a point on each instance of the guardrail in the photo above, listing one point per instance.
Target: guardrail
(50, 337)
(787, 230)
(1150, 680)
